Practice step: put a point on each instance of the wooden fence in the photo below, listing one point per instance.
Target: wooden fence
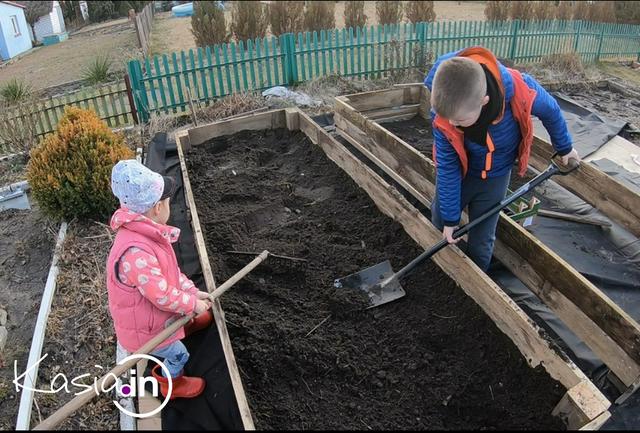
(143, 22)
(162, 83)
(111, 102)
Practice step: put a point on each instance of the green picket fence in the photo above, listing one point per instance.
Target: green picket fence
(166, 83)
(110, 102)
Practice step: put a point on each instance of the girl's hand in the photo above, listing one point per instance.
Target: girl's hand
(202, 306)
(202, 295)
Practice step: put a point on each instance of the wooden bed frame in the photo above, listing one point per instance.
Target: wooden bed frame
(583, 405)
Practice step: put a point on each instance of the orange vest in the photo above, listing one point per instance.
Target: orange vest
(521, 104)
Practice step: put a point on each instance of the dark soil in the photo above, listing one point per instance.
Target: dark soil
(416, 132)
(26, 247)
(311, 358)
(606, 101)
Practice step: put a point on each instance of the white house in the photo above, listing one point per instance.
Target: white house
(51, 23)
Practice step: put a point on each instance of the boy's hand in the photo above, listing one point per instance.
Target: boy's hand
(202, 306)
(573, 154)
(202, 295)
(447, 233)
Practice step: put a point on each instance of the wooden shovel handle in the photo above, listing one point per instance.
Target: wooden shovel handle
(56, 418)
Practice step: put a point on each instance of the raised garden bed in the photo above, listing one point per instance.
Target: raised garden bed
(390, 126)
(430, 360)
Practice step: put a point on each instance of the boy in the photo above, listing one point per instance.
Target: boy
(481, 114)
(147, 290)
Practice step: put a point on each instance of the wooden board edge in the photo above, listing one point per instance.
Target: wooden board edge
(594, 186)
(25, 406)
(598, 422)
(218, 313)
(256, 121)
(580, 406)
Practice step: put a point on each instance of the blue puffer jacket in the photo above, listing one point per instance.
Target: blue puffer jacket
(506, 137)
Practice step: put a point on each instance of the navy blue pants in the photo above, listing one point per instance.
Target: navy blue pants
(480, 195)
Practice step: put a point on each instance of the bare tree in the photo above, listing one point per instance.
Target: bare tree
(34, 10)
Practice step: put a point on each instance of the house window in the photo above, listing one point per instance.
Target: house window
(16, 27)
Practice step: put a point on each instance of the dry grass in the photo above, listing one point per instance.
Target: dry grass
(18, 132)
(325, 89)
(79, 332)
(560, 68)
(12, 170)
(230, 106)
(160, 122)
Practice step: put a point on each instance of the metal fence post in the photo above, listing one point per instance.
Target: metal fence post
(514, 40)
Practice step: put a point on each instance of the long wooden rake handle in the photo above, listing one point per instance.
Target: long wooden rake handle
(108, 379)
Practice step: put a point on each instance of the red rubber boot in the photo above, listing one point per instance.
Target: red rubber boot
(201, 321)
(183, 386)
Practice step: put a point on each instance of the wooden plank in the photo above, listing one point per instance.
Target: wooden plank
(37, 341)
(378, 113)
(579, 407)
(346, 130)
(403, 159)
(616, 343)
(398, 118)
(377, 99)
(506, 314)
(412, 92)
(624, 367)
(218, 313)
(595, 187)
(258, 121)
(598, 422)
(147, 403)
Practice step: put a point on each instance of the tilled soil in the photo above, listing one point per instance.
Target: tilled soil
(310, 356)
(26, 246)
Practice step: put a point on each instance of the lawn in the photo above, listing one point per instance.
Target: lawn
(52, 65)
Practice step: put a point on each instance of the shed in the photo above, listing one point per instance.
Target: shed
(14, 30)
(50, 24)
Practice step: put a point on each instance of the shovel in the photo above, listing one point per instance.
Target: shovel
(383, 285)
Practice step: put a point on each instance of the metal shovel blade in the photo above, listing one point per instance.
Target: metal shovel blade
(368, 280)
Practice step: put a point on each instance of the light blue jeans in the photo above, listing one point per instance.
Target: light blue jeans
(480, 195)
(175, 357)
